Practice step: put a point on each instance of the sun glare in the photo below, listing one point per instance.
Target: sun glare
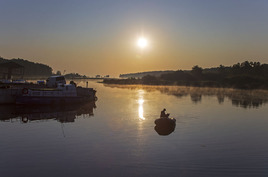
(141, 109)
(142, 42)
(141, 101)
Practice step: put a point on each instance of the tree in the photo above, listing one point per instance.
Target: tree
(221, 69)
(58, 73)
(196, 70)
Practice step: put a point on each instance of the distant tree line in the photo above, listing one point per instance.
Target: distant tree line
(31, 69)
(246, 75)
(74, 76)
(142, 74)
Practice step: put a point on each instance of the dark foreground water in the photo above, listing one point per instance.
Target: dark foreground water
(219, 132)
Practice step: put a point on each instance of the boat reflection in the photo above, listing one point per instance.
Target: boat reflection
(63, 114)
(239, 98)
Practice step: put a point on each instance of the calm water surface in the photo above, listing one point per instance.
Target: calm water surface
(219, 132)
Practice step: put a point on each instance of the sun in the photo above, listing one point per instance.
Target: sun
(142, 42)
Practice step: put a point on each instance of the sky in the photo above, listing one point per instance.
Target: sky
(100, 37)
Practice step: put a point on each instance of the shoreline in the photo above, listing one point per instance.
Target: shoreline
(203, 84)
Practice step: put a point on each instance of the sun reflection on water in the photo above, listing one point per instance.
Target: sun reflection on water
(141, 109)
(141, 101)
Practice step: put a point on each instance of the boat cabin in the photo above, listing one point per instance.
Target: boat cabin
(53, 81)
(62, 90)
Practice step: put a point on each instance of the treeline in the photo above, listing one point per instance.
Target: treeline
(246, 75)
(142, 74)
(31, 69)
(74, 76)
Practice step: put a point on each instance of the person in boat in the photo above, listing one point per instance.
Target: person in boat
(163, 114)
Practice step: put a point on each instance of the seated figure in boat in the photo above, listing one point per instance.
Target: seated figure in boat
(163, 114)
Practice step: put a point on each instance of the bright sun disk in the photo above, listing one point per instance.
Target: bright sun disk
(142, 42)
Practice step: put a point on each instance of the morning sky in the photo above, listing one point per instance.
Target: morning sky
(100, 37)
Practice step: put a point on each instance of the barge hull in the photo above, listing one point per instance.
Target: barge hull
(37, 100)
(8, 95)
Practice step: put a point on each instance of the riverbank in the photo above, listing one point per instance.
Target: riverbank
(246, 75)
(236, 83)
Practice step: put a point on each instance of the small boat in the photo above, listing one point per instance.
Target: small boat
(165, 126)
(62, 94)
(165, 121)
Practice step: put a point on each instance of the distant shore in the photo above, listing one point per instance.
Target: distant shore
(246, 75)
(212, 84)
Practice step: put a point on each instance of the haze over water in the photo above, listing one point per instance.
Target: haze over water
(219, 132)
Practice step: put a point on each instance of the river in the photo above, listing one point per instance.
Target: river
(219, 132)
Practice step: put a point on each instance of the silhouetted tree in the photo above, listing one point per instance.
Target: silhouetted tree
(196, 70)
(58, 73)
(31, 69)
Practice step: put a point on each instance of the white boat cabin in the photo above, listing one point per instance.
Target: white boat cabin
(53, 81)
